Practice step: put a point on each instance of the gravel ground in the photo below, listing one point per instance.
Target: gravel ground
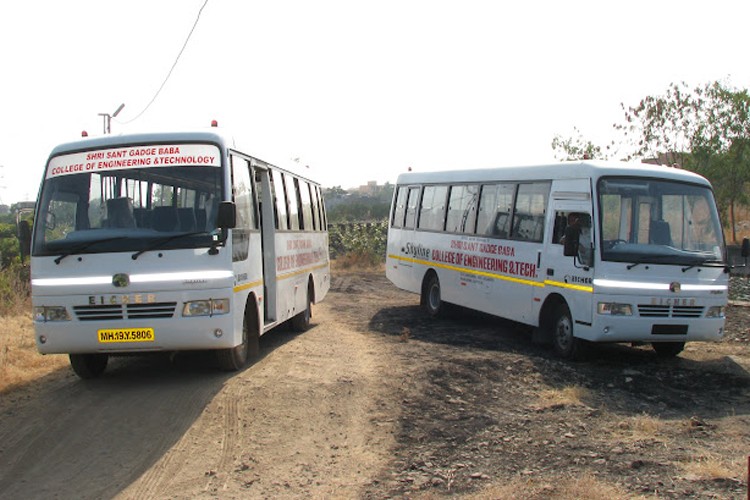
(739, 288)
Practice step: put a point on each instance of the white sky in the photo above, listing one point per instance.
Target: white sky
(358, 90)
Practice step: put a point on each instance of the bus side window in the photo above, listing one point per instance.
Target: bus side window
(399, 210)
(279, 200)
(432, 209)
(412, 203)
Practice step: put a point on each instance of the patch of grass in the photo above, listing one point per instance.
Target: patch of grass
(20, 362)
(584, 487)
(705, 465)
(639, 428)
(571, 395)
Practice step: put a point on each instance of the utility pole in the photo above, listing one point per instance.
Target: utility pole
(108, 118)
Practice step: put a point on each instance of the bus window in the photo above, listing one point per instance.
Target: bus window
(279, 201)
(307, 214)
(530, 207)
(292, 201)
(399, 211)
(411, 208)
(495, 205)
(242, 193)
(432, 210)
(462, 209)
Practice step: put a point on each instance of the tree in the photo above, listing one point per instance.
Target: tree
(706, 130)
(576, 148)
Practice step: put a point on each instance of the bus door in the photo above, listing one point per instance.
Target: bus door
(268, 221)
(570, 276)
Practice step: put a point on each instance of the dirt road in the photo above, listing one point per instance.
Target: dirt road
(377, 401)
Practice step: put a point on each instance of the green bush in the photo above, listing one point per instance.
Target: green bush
(359, 242)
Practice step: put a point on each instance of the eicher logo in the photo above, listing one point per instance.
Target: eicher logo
(581, 280)
(416, 251)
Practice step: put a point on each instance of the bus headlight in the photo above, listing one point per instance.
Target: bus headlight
(615, 309)
(43, 314)
(208, 307)
(715, 312)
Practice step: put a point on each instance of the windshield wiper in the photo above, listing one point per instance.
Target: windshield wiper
(704, 262)
(631, 266)
(163, 242)
(80, 248)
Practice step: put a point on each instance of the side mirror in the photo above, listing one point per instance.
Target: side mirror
(570, 248)
(227, 217)
(745, 247)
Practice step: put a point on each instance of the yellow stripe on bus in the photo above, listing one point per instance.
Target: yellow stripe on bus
(469, 271)
(570, 286)
(245, 286)
(301, 271)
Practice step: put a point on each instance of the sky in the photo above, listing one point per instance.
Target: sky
(355, 91)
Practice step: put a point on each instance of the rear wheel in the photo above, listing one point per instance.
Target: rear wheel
(301, 322)
(432, 302)
(668, 349)
(88, 366)
(564, 343)
(236, 358)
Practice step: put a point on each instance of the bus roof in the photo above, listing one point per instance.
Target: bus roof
(213, 135)
(552, 171)
(141, 138)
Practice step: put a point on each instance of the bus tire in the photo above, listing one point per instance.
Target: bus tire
(668, 349)
(235, 358)
(431, 296)
(88, 366)
(301, 321)
(564, 343)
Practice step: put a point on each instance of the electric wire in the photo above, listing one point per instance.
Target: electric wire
(177, 59)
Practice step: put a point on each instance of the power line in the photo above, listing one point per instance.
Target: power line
(170, 69)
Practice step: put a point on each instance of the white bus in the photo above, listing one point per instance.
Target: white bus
(169, 242)
(591, 251)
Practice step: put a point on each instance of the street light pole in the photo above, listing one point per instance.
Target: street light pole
(108, 118)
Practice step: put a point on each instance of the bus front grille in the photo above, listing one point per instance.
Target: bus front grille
(125, 311)
(666, 311)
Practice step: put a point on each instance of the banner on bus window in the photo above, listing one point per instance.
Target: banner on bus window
(121, 158)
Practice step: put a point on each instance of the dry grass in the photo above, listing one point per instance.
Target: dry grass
(705, 465)
(585, 487)
(358, 262)
(639, 428)
(20, 363)
(567, 396)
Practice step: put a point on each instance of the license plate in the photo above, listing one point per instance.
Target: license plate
(126, 335)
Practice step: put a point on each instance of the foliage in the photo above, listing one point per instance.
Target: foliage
(15, 289)
(577, 148)
(362, 243)
(706, 129)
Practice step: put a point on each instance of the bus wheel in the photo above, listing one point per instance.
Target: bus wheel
(564, 343)
(668, 349)
(88, 366)
(301, 321)
(236, 358)
(431, 301)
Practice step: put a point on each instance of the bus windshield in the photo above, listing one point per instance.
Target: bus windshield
(659, 221)
(126, 209)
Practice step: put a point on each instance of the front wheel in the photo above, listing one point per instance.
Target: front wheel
(88, 366)
(668, 349)
(236, 358)
(564, 343)
(431, 297)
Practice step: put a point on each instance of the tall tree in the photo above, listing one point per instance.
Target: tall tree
(706, 129)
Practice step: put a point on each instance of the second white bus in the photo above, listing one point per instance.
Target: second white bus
(170, 242)
(590, 251)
